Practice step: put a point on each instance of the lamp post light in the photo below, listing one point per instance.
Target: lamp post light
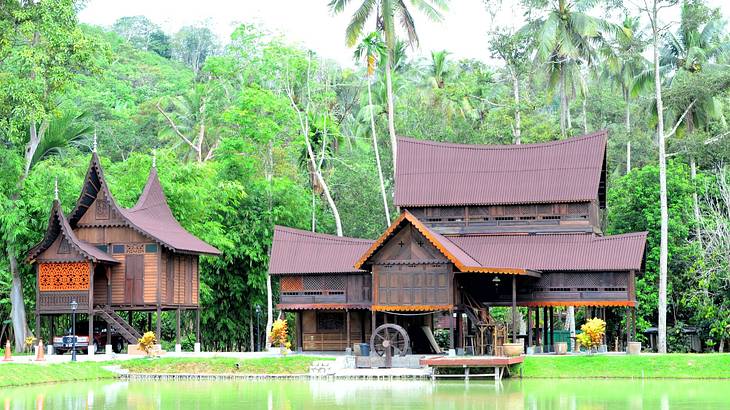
(74, 305)
(258, 333)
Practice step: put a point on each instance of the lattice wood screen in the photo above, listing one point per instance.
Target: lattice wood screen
(291, 284)
(135, 248)
(328, 282)
(63, 276)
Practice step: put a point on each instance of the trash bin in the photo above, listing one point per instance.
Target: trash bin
(364, 349)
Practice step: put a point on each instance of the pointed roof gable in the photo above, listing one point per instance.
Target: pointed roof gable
(153, 217)
(58, 225)
(445, 174)
(462, 260)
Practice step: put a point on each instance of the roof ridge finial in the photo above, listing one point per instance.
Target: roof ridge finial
(154, 157)
(55, 190)
(93, 147)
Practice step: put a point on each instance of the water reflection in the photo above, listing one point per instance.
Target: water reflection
(366, 394)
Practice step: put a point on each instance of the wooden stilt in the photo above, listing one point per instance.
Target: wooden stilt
(514, 309)
(552, 329)
(529, 327)
(545, 334)
(451, 329)
(158, 325)
(177, 331)
(197, 325)
(347, 319)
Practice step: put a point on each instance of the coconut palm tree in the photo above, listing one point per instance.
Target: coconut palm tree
(564, 40)
(386, 12)
(370, 49)
(623, 63)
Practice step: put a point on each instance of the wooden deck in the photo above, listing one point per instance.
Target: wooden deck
(499, 364)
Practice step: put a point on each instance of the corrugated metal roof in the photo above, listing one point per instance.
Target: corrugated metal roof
(153, 216)
(297, 251)
(434, 173)
(567, 252)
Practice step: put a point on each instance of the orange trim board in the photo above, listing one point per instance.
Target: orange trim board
(599, 303)
(405, 215)
(409, 308)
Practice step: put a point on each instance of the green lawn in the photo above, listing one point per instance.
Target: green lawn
(688, 366)
(19, 374)
(223, 365)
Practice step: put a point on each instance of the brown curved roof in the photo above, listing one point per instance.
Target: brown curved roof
(444, 174)
(559, 252)
(298, 251)
(153, 216)
(58, 225)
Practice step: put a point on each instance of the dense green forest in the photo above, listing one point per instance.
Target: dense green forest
(252, 131)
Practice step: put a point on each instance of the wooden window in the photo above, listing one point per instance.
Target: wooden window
(150, 248)
(118, 248)
(330, 322)
(102, 248)
(63, 276)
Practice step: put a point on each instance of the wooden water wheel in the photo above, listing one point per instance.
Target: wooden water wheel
(390, 340)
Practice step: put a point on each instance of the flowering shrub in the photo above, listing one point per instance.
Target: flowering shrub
(147, 342)
(280, 335)
(593, 331)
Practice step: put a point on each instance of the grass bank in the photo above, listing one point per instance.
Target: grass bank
(19, 374)
(680, 366)
(222, 365)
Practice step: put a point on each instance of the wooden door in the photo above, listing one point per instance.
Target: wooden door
(134, 280)
(189, 280)
(170, 287)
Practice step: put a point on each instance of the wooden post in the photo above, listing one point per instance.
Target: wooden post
(149, 322)
(91, 309)
(129, 318)
(545, 340)
(633, 323)
(362, 326)
(537, 326)
(529, 327)
(53, 328)
(158, 328)
(372, 322)
(628, 326)
(347, 320)
(197, 325)
(552, 329)
(451, 329)
(300, 327)
(514, 308)
(177, 331)
(459, 334)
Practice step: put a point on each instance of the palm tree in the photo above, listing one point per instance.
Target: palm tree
(370, 48)
(385, 13)
(565, 40)
(623, 63)
(439, 69)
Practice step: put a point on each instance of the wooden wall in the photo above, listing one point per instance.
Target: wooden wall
(179, 279)
(558, 217)
(408, 271)
(326, 330)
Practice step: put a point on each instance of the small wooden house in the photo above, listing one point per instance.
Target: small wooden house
(481, 227)
(108, 259)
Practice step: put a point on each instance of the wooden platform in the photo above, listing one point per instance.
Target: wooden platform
(499, 364)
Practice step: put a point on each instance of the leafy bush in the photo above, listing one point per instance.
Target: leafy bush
(593, 332)
(148, 342)
(280, 335)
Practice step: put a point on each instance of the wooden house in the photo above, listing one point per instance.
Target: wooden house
(480, 227)
(109, 259)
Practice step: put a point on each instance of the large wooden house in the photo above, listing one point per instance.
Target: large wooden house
(480, 227)
(108, 259)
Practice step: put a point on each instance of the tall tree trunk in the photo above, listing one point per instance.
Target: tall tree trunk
(269, 193)
(391, 112)
(377, 156)
(563, 104)
(518, 119)
(17, 303)
(269, 310)
(571, 326)
(252, 344)
(695, 199)
(628, 132)
(325, 188)
(585, 117)
(663, 246)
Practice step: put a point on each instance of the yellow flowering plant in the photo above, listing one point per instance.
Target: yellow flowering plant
(280, 335)
(593, 332)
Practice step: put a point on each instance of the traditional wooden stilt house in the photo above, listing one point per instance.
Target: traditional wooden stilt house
(109, 259)
(481, 226)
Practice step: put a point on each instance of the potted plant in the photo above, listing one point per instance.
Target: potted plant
(280, 336)
(593, 332)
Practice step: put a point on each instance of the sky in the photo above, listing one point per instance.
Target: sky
(463, 31)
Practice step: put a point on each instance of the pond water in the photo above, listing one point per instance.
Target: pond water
(420, 395)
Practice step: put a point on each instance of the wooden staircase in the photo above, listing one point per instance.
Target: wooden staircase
(130, 334)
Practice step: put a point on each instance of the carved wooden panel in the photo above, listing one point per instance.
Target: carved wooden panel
(64, 246)
(63, 276)
(102, 207)
(291, 284)
(135, 248)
